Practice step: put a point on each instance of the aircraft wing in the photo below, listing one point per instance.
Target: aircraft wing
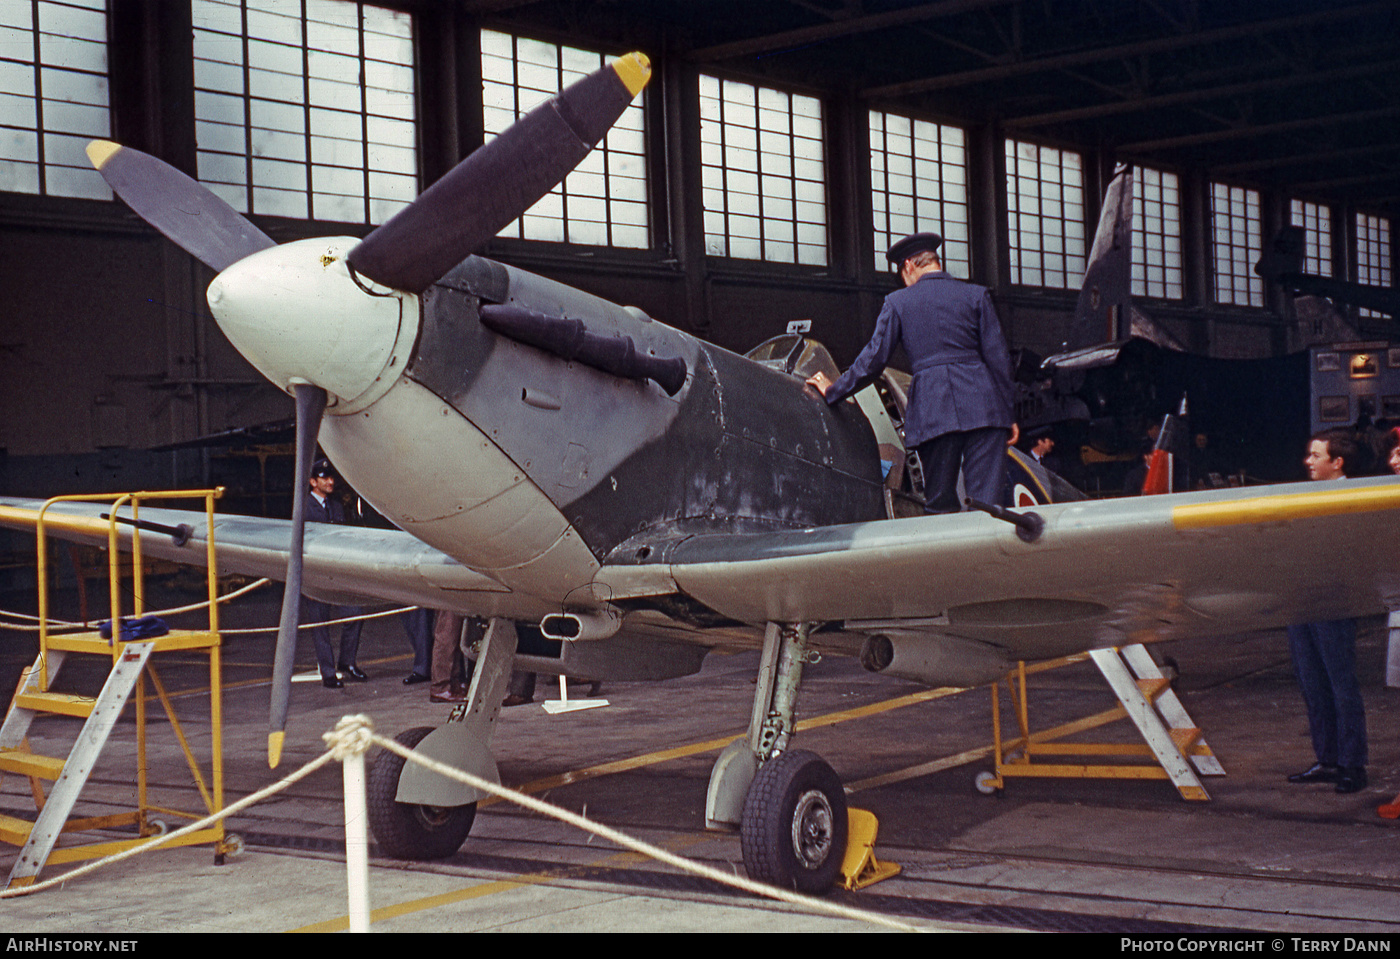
(976, 595)
(1103, 573)
(344, 564)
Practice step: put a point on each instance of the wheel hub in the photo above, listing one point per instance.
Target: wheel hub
(432, 816)
(812, 828)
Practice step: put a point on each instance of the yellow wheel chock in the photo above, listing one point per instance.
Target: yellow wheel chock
(860, 868)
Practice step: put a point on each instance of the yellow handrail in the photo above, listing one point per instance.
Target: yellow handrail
(113, 557)
(93, 528)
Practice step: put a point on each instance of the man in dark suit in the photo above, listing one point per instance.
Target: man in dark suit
(323, 507)
(1324, 653)
(960, 413)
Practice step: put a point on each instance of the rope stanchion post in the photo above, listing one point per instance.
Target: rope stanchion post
(647, 849)
(348, 742)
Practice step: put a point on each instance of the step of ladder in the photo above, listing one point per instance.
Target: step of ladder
(1169, 706)
(102, 714)
(96, 643)
(13, 830)
(64, 704)
(31, 764)
(17, 720)
(1162, 721)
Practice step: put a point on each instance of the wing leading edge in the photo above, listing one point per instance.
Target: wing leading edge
(343, 563)
(1103, 573)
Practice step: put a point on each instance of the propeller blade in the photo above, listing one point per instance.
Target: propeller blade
(458, 214)
(311, 403)
(188, 213)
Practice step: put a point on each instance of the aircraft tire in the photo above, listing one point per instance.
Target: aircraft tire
(795, 824)
(409, 830)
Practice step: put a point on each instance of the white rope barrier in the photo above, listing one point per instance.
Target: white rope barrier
(330, 622)
(60, 624)
(637, 845)
(348, 743)
(157, 841)
(241, 591)
(63, 624)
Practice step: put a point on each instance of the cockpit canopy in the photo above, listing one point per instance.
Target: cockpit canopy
(795, 354)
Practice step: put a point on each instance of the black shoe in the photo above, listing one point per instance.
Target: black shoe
(1319, 773)
(414, 678)
(1351, 779)
(354, 672)
(331, 682)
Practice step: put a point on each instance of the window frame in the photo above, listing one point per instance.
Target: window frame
(1171, 271)
(1243, 222)
(1316, 221)
(302, 126)
(956, 252)
(1374, 265)
(808, 193)
(52, 140)
(1073, 252)
(621, 191)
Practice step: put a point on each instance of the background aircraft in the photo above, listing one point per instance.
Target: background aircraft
(556, 460)
(1282, 263)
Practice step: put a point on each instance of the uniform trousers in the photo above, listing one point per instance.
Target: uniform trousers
(418, 623)
(981, 456)
(1324, 658)
(326, 659)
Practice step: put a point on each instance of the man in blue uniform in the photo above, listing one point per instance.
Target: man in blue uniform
(321, 507)
(960, 412)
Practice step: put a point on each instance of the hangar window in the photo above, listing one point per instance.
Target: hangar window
(918, 183)
(306, 111)
(763, 173)
(1316, 221)
(1373, 253)
(1045, 215)
(1157, 234)
(603, 202)
(53, 96)
(1236, 241)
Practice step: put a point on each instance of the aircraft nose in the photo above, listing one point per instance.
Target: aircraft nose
(296, 314)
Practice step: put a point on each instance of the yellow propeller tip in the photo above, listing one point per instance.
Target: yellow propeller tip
(100, 151)
(274, 749)
(634, 70)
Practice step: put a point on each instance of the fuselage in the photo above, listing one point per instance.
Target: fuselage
(526, 464)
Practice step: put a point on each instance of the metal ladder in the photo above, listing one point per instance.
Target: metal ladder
(1144, 695)
(37, 839)
(1154, 708)
(130, 662)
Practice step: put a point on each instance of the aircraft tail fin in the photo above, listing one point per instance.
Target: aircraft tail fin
(1284, 254)
(1103, 314)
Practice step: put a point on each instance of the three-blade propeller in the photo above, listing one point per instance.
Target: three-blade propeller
(449, 221)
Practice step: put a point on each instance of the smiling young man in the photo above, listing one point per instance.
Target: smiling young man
(1324, 654)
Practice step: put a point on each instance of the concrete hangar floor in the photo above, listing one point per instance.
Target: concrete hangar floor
(1119, 856)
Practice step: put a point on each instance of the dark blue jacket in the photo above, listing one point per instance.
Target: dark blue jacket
(332, 512)
(961, 366)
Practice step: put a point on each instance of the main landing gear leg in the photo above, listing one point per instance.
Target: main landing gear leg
(417, 814)
(792, 814)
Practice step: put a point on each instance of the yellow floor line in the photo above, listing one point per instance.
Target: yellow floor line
(622, 765)
(714, 745)
(923, 769)
(342, 923)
